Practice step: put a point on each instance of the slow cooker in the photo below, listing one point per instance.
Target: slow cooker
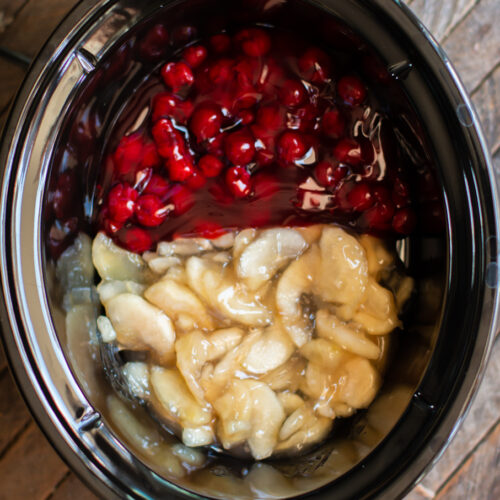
(439, 360)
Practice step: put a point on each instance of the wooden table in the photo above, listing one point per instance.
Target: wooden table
(469, 31)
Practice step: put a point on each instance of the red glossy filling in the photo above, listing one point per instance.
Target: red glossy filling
(253, 129)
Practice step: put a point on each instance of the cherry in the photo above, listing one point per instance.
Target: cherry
(379, 216)
(352, 90)
(404, 221)
(182, 199)
(292, 93)
(271, 76)
(128, 154)
(165, 136)
(221, 71)
(270, 117)
(333, 124)
(255, 42)
(246, 116)
(291, 146)
(220, 43)
(149, 210)
(215, 145)
(154, 43)
(315, 65)
(195, 55)
(181, 35)
(172, 147)
(210, 165)
(323, 172)
(150, 158)
(360, 197)
(303, 118)
(203, 85)
(196, 181)
(206, 121)
(340, 172)
(385, 210)
(157, 185)
(180, 168)
(137, 240)
(223, 94)
(348, 151)
(264, 145)
(239, 147)
(245, 99)
(111, 226)
(176, 75)
(238, 180)
(167, 105)
(121, 202)
(248, 70)
(264, 157)
(133, 153)
(329, 175)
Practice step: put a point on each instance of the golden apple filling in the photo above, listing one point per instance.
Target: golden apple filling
(257, 340)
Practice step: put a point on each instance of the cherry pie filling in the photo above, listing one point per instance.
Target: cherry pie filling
(253, 129)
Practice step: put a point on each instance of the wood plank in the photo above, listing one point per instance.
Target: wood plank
(8, 12)
(419, 493)
(3, 118)
(33, 25)
(477, 477)
(31, 469)
(496, 167)
(12, 76)
(14, 416)
(3, 360)
(486, 100)
(482, 416)
(440, 18)
(72, 487)
(474, 45)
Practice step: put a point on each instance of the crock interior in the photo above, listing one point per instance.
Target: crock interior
(427, 140)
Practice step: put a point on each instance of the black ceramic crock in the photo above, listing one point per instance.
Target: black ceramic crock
(452, 323)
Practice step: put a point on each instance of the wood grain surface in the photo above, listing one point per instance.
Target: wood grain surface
(470, 34)
(477, 477)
